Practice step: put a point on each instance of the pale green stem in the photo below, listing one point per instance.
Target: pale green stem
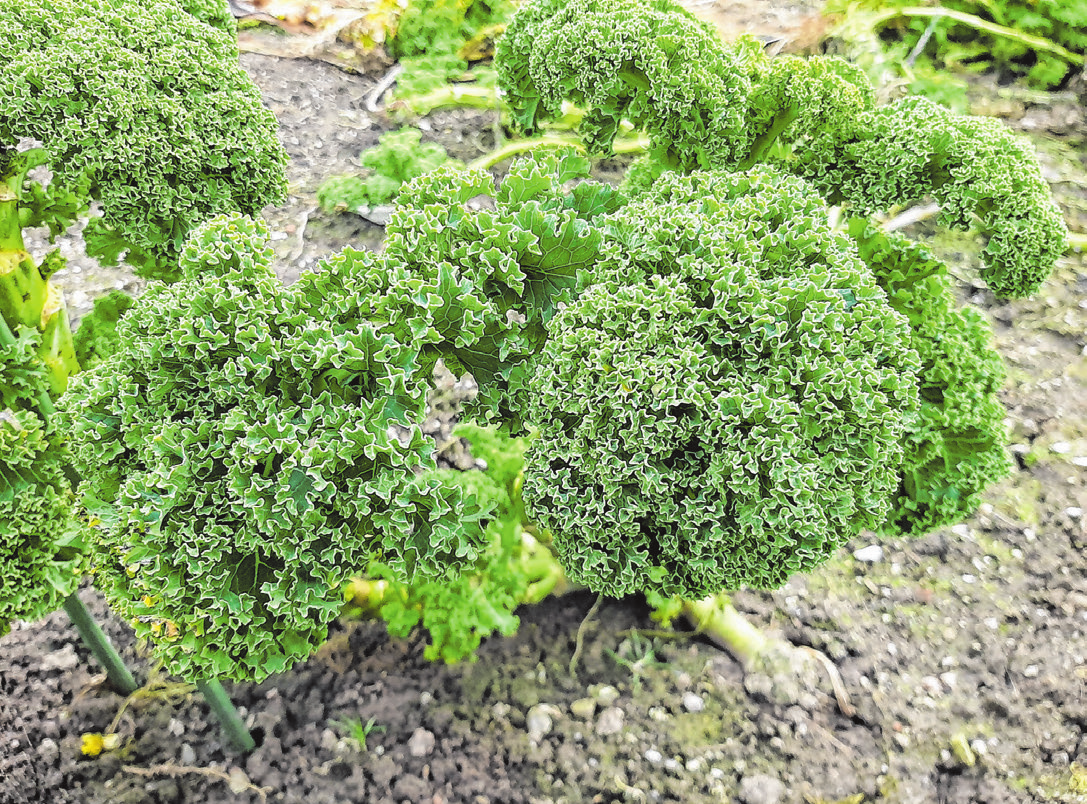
(450, 95)
(626, 145)
(716, 618)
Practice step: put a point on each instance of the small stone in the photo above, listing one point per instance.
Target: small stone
(63, 659)
(692, 702)
(653, 755)
(869, 555)
(759, 686)
(761, 789)
(188, 755)
(49, 752)
(932, 685)
(1061, 447)
(583, 708)
(1030, 671)
(610, 721)
(949, 679)
(539, 721)
(605, 694)
(329, 740)
(175, 727)
(421, 743)
(1074, 512)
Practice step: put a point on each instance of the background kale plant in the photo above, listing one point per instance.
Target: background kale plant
(398, 157)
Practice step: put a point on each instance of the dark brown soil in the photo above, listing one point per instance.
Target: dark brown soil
(962, 656)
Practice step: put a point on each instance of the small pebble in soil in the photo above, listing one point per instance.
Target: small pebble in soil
(63, 659)
(659, 714)
(610, 721)
(188, 755)
(48, 752)
(653, 755)
(871, 554)
(421, 743)
(583, 708)
(605, 694)
(761, 789)
(692, 702)
(932, 685)
(540, 721)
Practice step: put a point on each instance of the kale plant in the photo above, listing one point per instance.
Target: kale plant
(143, 108)
(398, 157)
(238, 452)
(720, 380)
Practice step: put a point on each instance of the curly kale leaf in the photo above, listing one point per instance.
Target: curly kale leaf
(41, 557)
(149, 107)
(241, 458)
(439, 27)
(97, 338)
(976, 168)
(727, 404)
(460, 612)
(480, 281)
(956, 443)
(214, 12)
(704, 105)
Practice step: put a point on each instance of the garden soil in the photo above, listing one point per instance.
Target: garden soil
(951, 668)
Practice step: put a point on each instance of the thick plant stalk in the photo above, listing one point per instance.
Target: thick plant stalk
(119, 676)
(718, 619)
(223, 708)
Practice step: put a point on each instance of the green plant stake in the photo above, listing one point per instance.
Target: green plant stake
(119, 676)
(223, 708)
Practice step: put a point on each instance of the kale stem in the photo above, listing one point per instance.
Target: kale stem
(119, 676)
(223, 708)
(718, 619)
(759, 148)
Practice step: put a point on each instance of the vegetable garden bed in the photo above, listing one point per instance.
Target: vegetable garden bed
(959, 656)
